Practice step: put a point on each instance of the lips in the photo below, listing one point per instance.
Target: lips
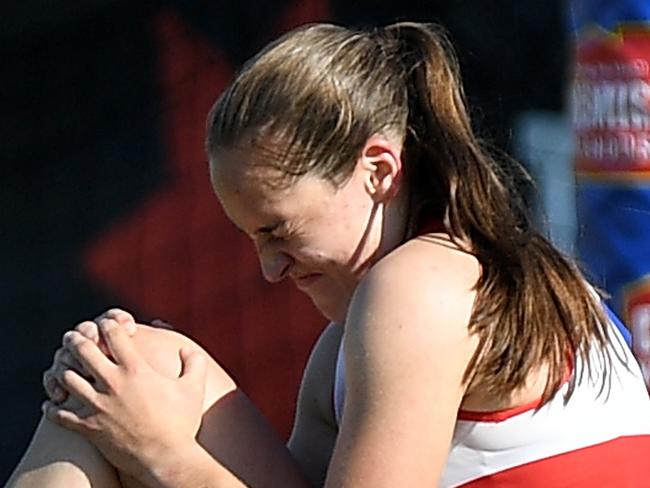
(306, 280)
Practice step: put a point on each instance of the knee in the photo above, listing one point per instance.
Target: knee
(161, 347)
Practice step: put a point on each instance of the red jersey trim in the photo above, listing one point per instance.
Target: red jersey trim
(506, 413)
(620, 462)
(498, 415)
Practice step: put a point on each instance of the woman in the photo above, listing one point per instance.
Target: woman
(463, 350)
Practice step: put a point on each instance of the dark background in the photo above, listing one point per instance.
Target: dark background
(105, 198)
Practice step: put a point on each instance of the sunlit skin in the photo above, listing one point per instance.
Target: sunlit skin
(321, 236)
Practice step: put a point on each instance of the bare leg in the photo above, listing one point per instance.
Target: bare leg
(57, 457)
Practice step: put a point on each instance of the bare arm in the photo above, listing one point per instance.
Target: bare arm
(406, 349)
(314, 430)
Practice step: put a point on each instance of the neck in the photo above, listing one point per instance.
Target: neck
(391, 221)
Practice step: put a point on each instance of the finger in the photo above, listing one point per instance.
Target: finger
(195, 367)
(52, 388)
(79, 387)
(66, 418)
(63, 359)
(122, 317)
(119, 343)
(74, 404)
(89, 330)
(89, 355)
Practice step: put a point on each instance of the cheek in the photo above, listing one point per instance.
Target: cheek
(310, 254)
(325, 253)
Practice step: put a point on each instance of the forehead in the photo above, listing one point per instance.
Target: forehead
(254, 194)
(237, 173)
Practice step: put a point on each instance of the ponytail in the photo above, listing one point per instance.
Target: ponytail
(533, 307)
(321, 91)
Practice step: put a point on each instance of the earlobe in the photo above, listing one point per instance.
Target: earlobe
(382, 163)
(370, 185)
(373, 181)
(381, 182)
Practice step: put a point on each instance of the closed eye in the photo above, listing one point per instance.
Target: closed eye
(269, 229)
(279, 234)
(279, 230)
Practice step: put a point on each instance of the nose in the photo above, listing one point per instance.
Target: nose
(275, 264)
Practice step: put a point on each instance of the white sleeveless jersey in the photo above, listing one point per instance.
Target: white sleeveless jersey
(595, 440)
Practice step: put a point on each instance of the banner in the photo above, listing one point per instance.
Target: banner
(610, 104)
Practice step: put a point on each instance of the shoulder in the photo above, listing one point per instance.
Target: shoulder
(409, 317)
(430, 259)
(406, 347)
(427, 282)
(412, 310)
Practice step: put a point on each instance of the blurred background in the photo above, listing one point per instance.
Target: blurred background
(105, 199)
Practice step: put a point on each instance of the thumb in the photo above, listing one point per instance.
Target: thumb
(194, 366)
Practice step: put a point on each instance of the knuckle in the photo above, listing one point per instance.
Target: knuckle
(67, 359)
(99, 405)
(88, 329)
(58, 353)
(92, 424)
(112, 385)
(62, 357)
(67, 419)
(108, 326)
(58, 374)
(70, 338)
(95, 404)
(67, 377)
(65, 338)
(119, 315)
(76, 345)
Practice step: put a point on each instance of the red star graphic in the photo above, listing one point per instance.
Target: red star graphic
(176, 257)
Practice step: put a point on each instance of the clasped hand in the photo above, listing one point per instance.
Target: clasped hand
(101, 387)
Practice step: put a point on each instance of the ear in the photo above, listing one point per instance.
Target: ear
(381, 164)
